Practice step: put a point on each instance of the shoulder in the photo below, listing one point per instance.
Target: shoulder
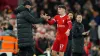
(25, 13)
(56, 16)
(67, 17)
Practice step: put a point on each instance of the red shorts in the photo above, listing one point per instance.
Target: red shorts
(60, 43)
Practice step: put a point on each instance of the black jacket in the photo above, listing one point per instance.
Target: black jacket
(24, 27)
(77, 39)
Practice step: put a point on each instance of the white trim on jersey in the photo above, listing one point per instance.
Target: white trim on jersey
(54, 20)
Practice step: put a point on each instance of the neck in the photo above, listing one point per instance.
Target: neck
(63, 14)
(78, 22)
(27, 9)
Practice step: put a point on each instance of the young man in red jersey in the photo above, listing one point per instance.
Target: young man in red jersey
(64, 26)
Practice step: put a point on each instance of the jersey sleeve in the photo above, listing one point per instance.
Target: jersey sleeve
(69, 23)
(52, 21)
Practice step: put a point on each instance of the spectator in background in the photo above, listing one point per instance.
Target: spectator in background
(94, 32)
(87, 46)
(1, 30)
(77, 8)
(34, 12)
(67, 7)
(99, 51)
(87, 14)
(8, 29)
(41, 43)
(94, 51)
(96, 17)
(33, 3)
(86, 19)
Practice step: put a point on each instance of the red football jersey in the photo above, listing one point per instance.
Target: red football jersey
(63, 23)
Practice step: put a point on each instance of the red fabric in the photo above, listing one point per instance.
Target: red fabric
(12, 3)
(13, 16)
(63, 24)
(87, 48)
(89, 45)
(60, 45)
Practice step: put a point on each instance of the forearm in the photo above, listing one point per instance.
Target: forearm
(69, 25)
(50, 22)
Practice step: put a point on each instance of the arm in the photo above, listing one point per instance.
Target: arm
(69, 23)
(51, 21)
(69, 26)
(31, 19)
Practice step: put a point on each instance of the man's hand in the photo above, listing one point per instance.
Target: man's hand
(67, 32)
(85, 33)
(45, 17)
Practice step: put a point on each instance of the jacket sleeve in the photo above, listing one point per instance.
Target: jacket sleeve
(31, 19)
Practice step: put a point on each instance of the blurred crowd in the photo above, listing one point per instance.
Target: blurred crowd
(44, 34)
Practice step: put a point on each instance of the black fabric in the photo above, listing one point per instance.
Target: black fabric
(94, 35)
(77, 39)
(77, 54)
(1, 43)
(43, 44)
(10, 27)
(68, 49)
(24, 27)
(70, 36)
(3, 54)
(27, 3)
(26, 51)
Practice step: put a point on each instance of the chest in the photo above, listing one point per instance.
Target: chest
(61, 20)
(80, 28)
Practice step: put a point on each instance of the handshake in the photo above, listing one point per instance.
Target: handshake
(45, 16)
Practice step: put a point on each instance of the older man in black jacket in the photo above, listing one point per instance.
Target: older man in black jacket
(78, 37)
(24, 27)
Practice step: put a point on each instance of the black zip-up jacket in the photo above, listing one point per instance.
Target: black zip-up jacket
(24, 26)
(78, 38)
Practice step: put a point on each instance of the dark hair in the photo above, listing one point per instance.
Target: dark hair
(62, 6)
(27, 3)
(76, 14)
(70, 12)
